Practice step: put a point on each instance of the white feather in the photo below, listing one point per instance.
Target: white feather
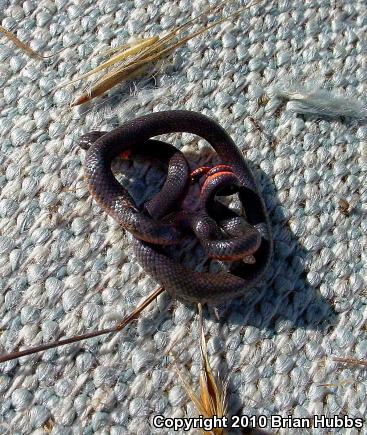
(310, 99)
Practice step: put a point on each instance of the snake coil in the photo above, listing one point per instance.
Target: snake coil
(244, 240)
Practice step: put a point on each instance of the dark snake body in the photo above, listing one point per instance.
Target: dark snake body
(152, 229)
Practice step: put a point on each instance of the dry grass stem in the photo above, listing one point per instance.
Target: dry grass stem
(128, 51)
(135, 60)
(212, 394)
(337, 384)
(211, 400)
(147, 301)
(351, 361)
(121, 47)
(20, 44)
(25, 47)
(109, 81)
(139, 309)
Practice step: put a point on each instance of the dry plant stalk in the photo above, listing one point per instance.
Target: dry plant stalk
(212, 398)
(338, 384)
(135, 60)
(133, 315)
(25, 47)
(129, 50)
(351, 361)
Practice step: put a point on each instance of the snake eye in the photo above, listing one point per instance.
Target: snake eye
(87, 140)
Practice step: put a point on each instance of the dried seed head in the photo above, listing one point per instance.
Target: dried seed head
(211, 400)
(145, 55)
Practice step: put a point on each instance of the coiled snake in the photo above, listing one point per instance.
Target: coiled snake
(223, 234)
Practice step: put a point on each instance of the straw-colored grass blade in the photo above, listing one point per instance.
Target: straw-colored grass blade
(136, 67)
(211, 400)
(338, 384)
(109, 81)
(147, 51)
(130, 51)
(25, 47)
(211, 392)
(190, 392)
(350, 361)
(120, 47)
(20, 44)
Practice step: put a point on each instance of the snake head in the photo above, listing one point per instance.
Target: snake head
(88, 139)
